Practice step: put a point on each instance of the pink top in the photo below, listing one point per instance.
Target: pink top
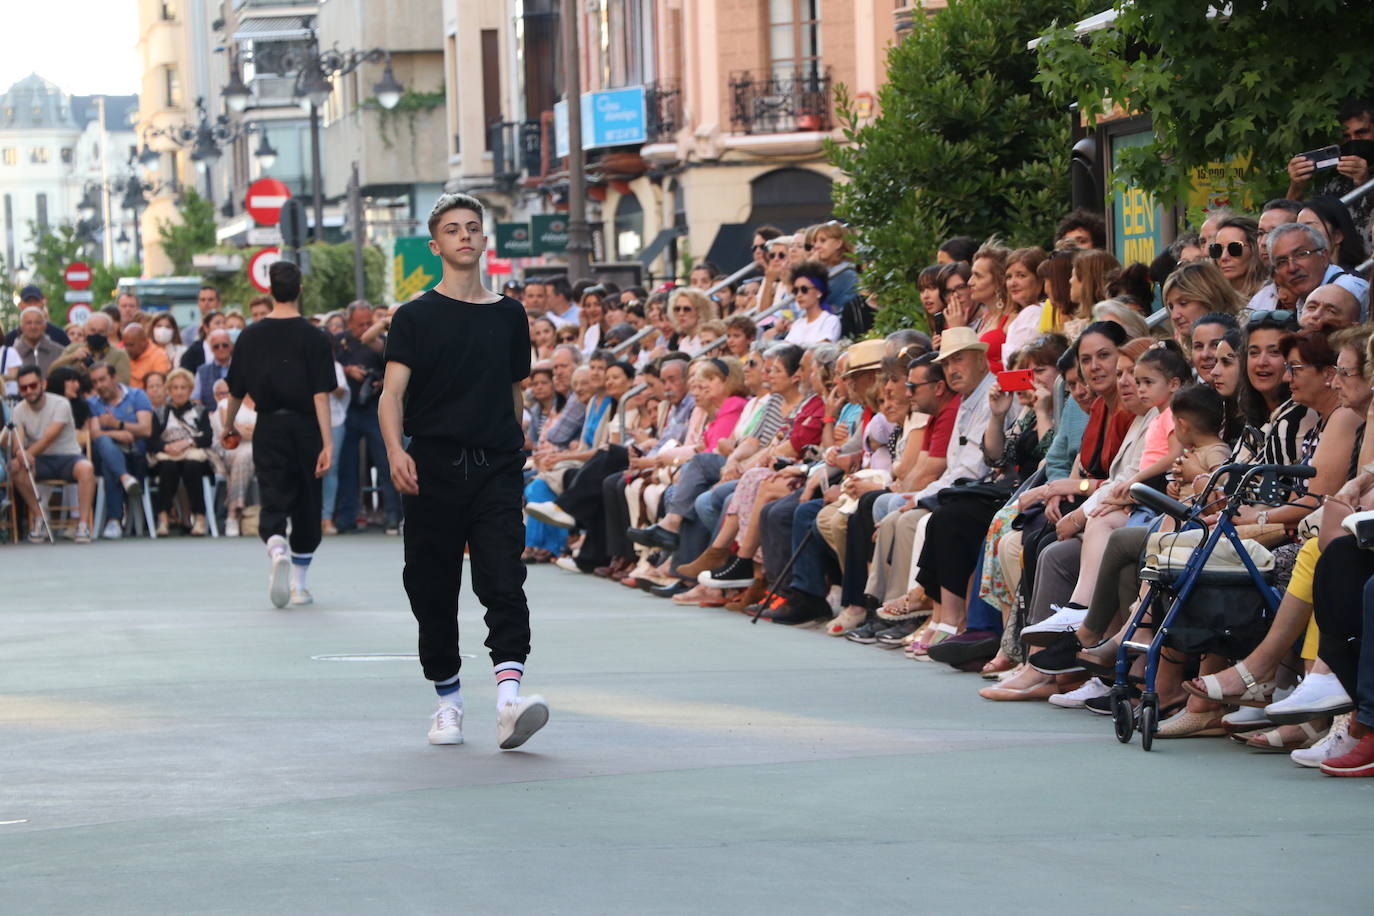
(724, 423)
(1157, 438)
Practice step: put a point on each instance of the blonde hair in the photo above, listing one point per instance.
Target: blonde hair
(834, 229)
(733, 376)
(180, 373)
(1203, 281)
(706, 309)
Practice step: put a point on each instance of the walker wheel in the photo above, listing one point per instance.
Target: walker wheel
(1122, 715)
(1149, 721)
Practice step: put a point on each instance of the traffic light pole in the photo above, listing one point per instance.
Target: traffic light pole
(355, 220)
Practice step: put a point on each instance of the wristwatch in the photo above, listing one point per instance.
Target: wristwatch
(1262, 518)
(1084, 485)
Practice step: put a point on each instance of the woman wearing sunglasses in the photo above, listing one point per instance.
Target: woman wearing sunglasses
(1235, 250)
(690, 309)
(810, 284)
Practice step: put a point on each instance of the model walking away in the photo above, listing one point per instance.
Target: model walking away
(286, 364)
(454, 362)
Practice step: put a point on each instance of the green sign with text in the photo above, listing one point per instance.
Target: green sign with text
(513, 240)
(550, 233)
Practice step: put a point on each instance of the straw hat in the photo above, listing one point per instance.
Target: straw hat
(953, 340)
(864, 355)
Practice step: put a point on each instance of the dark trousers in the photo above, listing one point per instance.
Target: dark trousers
(775, 535)
(172, 474)
(617, 511)
(953, 544)
(285, 449)
(585, 500)
(469, 498)
(814, 556)
(1341, 600)
(858, 550)
(111, 463)
(361, 425)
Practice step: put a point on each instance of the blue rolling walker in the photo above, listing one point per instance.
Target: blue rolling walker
(1169, 590)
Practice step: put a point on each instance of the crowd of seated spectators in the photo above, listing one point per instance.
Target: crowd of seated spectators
(145, 401)
(967, 496)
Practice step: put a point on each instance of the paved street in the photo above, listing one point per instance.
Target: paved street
(172, 744)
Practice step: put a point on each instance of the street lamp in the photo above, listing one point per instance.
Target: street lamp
(236, 94)
(206, 139)
(265, 154)
(315, 68)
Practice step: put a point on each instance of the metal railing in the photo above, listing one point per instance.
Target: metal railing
(515, 149)
(756, 316)
(663, 103)
(772, 103)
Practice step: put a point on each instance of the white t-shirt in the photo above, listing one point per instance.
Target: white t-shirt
(338, 403)
(9, 361)
(826, 327)
(1021, 330)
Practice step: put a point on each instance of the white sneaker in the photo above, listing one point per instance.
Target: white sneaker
(1074, 699)
(132, 488)
(567, 563)
(1063, 620)
(517, 721)
(113, 531)
(279, 582)
(448, 725)
(301, 596)
(550, 514)
(1336, 743)
(1318, 696)
(231, 527)
(83, 534)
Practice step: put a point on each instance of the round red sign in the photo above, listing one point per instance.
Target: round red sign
(77, 275)
(264, 200)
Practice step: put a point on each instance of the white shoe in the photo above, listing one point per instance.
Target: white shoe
(113, 531)
(550, 514)
(231, 527)
(517, 721)
(301, 596)
(1318, 696)
(83, 534)
(1336, 743)
(448, 724)
(567, 563)
(132, 488)
(1074, 699)
(279, 582)
(1063, 620)
(1247, 718)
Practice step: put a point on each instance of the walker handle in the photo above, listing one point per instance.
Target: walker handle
(1148, 496)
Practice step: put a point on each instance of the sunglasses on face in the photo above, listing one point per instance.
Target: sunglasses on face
(802, 288)
(1234, 249)
(33, 387)
(763, 247)
(1274, 316)
(221, 346)
(680, 309)
(777, 255)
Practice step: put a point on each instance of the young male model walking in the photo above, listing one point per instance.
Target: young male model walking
(454, 362)
(286, 364)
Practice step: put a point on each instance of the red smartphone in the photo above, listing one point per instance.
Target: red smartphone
(1016, 380)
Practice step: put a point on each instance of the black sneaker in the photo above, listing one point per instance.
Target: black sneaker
(866, 633)
(1059, 657)
(669, 590)
(736, 573)
(1103, 705)
(969, 646)
(801, 609)
(893, 636)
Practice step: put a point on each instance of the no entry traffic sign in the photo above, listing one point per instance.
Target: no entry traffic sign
(77, 275)
(265, 199)
(258, 265)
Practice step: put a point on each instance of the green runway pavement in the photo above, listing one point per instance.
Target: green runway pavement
(172, 744)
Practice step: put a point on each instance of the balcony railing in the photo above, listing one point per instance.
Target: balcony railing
(773, 103)
(663, 104)
(516, 150)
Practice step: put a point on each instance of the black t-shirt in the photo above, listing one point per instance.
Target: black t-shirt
(463, 359)
(283, 363)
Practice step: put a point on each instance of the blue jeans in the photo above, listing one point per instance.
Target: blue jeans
(696, 533)
(541, 534)
(111, 464)
(361, 425)
(808, 572)
(331, 477)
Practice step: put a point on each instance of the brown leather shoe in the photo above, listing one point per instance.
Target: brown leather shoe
(710, 558)
(751, 595)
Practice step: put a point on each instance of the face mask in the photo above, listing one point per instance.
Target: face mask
(162, 335)
(234, 334)
(96, 342)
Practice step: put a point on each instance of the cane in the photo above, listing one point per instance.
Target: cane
(16, 436)
(782, 576)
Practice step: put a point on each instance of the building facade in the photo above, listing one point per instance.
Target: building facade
(57, 153)
(716, 114)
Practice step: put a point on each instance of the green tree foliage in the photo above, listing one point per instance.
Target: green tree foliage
(1265, 79)
(328, 286)
(967, 143)
(194, 235)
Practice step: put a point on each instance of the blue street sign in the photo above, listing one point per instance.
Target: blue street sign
(613, 118)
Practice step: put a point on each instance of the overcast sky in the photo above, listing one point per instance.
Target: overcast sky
(87, 47)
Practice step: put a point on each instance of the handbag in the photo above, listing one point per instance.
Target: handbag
(1361, 524)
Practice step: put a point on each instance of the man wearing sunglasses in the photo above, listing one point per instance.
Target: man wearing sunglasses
(48, 438)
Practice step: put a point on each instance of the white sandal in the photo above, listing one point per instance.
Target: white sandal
(1256, 693)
